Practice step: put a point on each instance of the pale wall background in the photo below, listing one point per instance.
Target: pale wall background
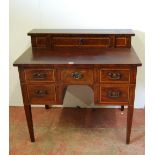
(82, 14)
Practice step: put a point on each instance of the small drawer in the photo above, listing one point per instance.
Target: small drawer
(41, 94)
(77, 76)
(114, 75)
(114, 93)
(40, 41)
(123, 41)
(39, 75)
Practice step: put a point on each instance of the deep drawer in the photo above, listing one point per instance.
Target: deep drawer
(39, 75)
(77, 76)
(114, 93)
(41, 94)
(114, 75)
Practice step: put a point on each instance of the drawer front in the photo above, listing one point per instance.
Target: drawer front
(123, 41)
(41, 94)
(39, 75)
(82, 42)
(77, 76)
(40, 41)
(98, 42)
(114, 93)
(114, 75)
(65, 41)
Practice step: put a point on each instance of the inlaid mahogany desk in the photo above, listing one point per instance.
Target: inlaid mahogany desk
(101, 59)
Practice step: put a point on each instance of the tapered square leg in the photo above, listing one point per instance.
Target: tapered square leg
(129, 122)
(122, 108)
(28, 114)
(47, 107)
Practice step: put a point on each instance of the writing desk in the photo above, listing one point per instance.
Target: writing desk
(101, 59)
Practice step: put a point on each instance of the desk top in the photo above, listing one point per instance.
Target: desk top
(82, 31)
(112, 56)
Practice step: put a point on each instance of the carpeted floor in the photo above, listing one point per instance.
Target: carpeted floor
(72, 131)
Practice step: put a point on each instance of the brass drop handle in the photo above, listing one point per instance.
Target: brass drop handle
(114, 76)
(76, 75)
(39, 76)
(41, 93)
(114, 94)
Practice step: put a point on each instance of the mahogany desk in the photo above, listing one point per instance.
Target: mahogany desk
(101, 59)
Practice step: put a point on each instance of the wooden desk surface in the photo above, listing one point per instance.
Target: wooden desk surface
(119, 56)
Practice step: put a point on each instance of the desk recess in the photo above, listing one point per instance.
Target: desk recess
(101, 59)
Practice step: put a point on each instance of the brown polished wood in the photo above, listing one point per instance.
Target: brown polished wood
(120, 57)
(116, 75)
(28, 114)
(77, 76)
(77, 32)
(129, 122)
(103, 38)
(39, 75)
(41, 93)
(114, 93)
(101, 59)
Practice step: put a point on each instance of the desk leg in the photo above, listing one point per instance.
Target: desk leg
(47, 107)
(122, 108)
(129, 122)
(28, 114)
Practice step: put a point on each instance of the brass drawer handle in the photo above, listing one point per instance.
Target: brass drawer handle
(114, 76)
(39, 76)
(114, 94)
(76, 75)
(41, 93)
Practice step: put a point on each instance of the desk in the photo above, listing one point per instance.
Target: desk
(102, 59)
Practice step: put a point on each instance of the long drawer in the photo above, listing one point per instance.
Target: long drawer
(82, 42)
(48, 41)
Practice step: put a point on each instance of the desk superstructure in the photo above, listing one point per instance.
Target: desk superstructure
(102, 59)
